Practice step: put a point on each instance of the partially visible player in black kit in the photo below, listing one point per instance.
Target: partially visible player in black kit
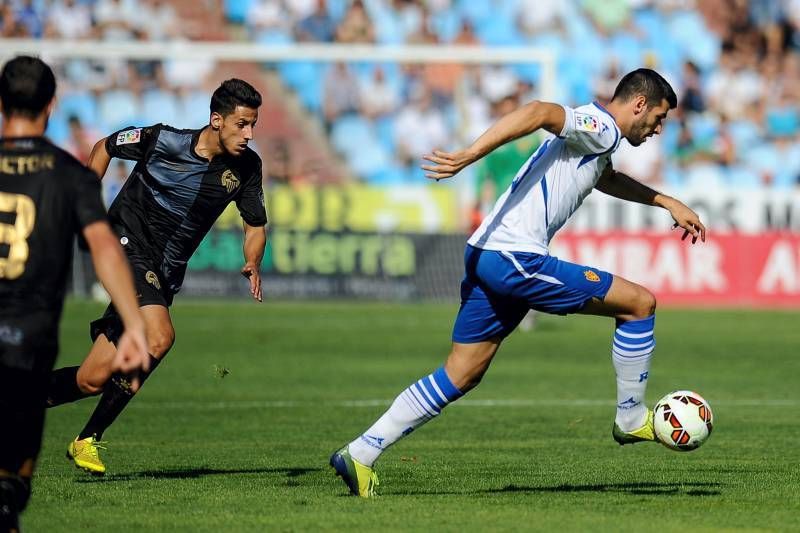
(183, 180)
(46, 198)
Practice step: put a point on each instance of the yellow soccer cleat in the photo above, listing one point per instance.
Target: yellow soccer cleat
(86, 455)
(643, 434)
(360, 479)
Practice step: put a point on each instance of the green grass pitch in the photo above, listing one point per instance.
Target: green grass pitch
(530, 449)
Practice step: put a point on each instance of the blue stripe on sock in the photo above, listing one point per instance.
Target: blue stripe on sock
(637, 326)
(446, 386)
(441, 402)
(425, 397)
(634, 347)
(421, 407)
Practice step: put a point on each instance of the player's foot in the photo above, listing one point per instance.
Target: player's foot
(360, 479)
(85, 453)
(644, 433)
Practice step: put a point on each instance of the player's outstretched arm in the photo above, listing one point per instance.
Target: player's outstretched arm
(114, 273)
(99, 159)
(255, 239)
(624, 187)
(520, 122)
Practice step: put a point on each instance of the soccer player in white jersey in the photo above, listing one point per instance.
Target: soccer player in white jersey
(509, 270)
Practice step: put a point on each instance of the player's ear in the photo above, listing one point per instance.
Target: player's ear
(639, 104)
(216, 120)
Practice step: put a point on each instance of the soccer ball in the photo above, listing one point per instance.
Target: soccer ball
(683, 420)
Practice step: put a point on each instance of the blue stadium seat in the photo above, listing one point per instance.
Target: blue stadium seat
(194, 108)
(162, 106)
(79, 103)
(236, 10)
(57, 127)
(350, 132)
(119, 108)
(697, 43)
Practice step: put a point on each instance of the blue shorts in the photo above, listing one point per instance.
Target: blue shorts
(500, 287)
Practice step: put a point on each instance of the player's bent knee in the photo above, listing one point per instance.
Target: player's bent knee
(160, 342)
(89, 384)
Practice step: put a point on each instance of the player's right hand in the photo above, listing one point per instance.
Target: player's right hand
(448, 164)
(132, 356)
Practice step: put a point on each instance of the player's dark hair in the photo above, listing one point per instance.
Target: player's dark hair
(648, 83)
(234, 92)
(27, 86)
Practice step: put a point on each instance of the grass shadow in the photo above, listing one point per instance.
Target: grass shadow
(194, 473)
(638, 489)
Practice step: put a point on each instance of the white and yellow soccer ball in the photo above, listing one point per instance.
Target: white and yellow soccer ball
(682, 420)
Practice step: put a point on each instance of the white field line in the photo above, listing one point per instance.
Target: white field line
(284, 404)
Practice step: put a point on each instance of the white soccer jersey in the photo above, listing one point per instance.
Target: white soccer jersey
(551, 184)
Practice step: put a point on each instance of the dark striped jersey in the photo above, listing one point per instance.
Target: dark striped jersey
(173, 195)
(46, 198)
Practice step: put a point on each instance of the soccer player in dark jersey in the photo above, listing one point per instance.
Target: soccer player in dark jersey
(46, 198)
(183, 180)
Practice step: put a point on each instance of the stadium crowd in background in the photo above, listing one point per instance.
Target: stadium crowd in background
(735, 65)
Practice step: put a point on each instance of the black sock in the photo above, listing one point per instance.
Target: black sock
(116, 395)
(63, 386)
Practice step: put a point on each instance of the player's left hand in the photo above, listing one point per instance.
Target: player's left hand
(448, 164)
(250, 271)
(688, 220)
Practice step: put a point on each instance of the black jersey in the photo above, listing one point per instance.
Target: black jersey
(173, 196)
(46, 198)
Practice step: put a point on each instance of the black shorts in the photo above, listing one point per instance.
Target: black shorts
(22, 406)
(150, 288)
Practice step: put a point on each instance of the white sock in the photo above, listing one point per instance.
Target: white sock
(634, 342)
(417, 404)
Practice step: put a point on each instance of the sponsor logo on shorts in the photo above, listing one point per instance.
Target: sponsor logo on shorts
(591, 275)
(229, 181)
(152, 279)
(129, 136)
(11, 335)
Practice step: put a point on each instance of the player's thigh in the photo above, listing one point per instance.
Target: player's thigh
(158, 328)
(625, 300)
(559, 287)
(468, 362)
(487, 310)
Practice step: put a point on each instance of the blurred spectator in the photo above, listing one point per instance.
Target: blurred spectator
(67, 19)
(356, 26)
(608, 16)
(30, 18)
(644, 163)
(378, 96)
(81, 139)
(115, 19)
(158, 20)
(692, 99)
(419, 128)
(266, 16)
(318, 26)
(540, 16)
(339, 93)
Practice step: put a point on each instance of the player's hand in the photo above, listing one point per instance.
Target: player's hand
(131, 356)
(688, 220)
(250, 271)
(447, 164)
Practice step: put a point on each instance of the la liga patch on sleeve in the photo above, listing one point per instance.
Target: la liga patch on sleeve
(129, 136)
(585, 122)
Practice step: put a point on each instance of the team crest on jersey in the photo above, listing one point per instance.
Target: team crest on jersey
(591, 275)
(152, 279)
(229, 181)
(584, 122)
(129, 136)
